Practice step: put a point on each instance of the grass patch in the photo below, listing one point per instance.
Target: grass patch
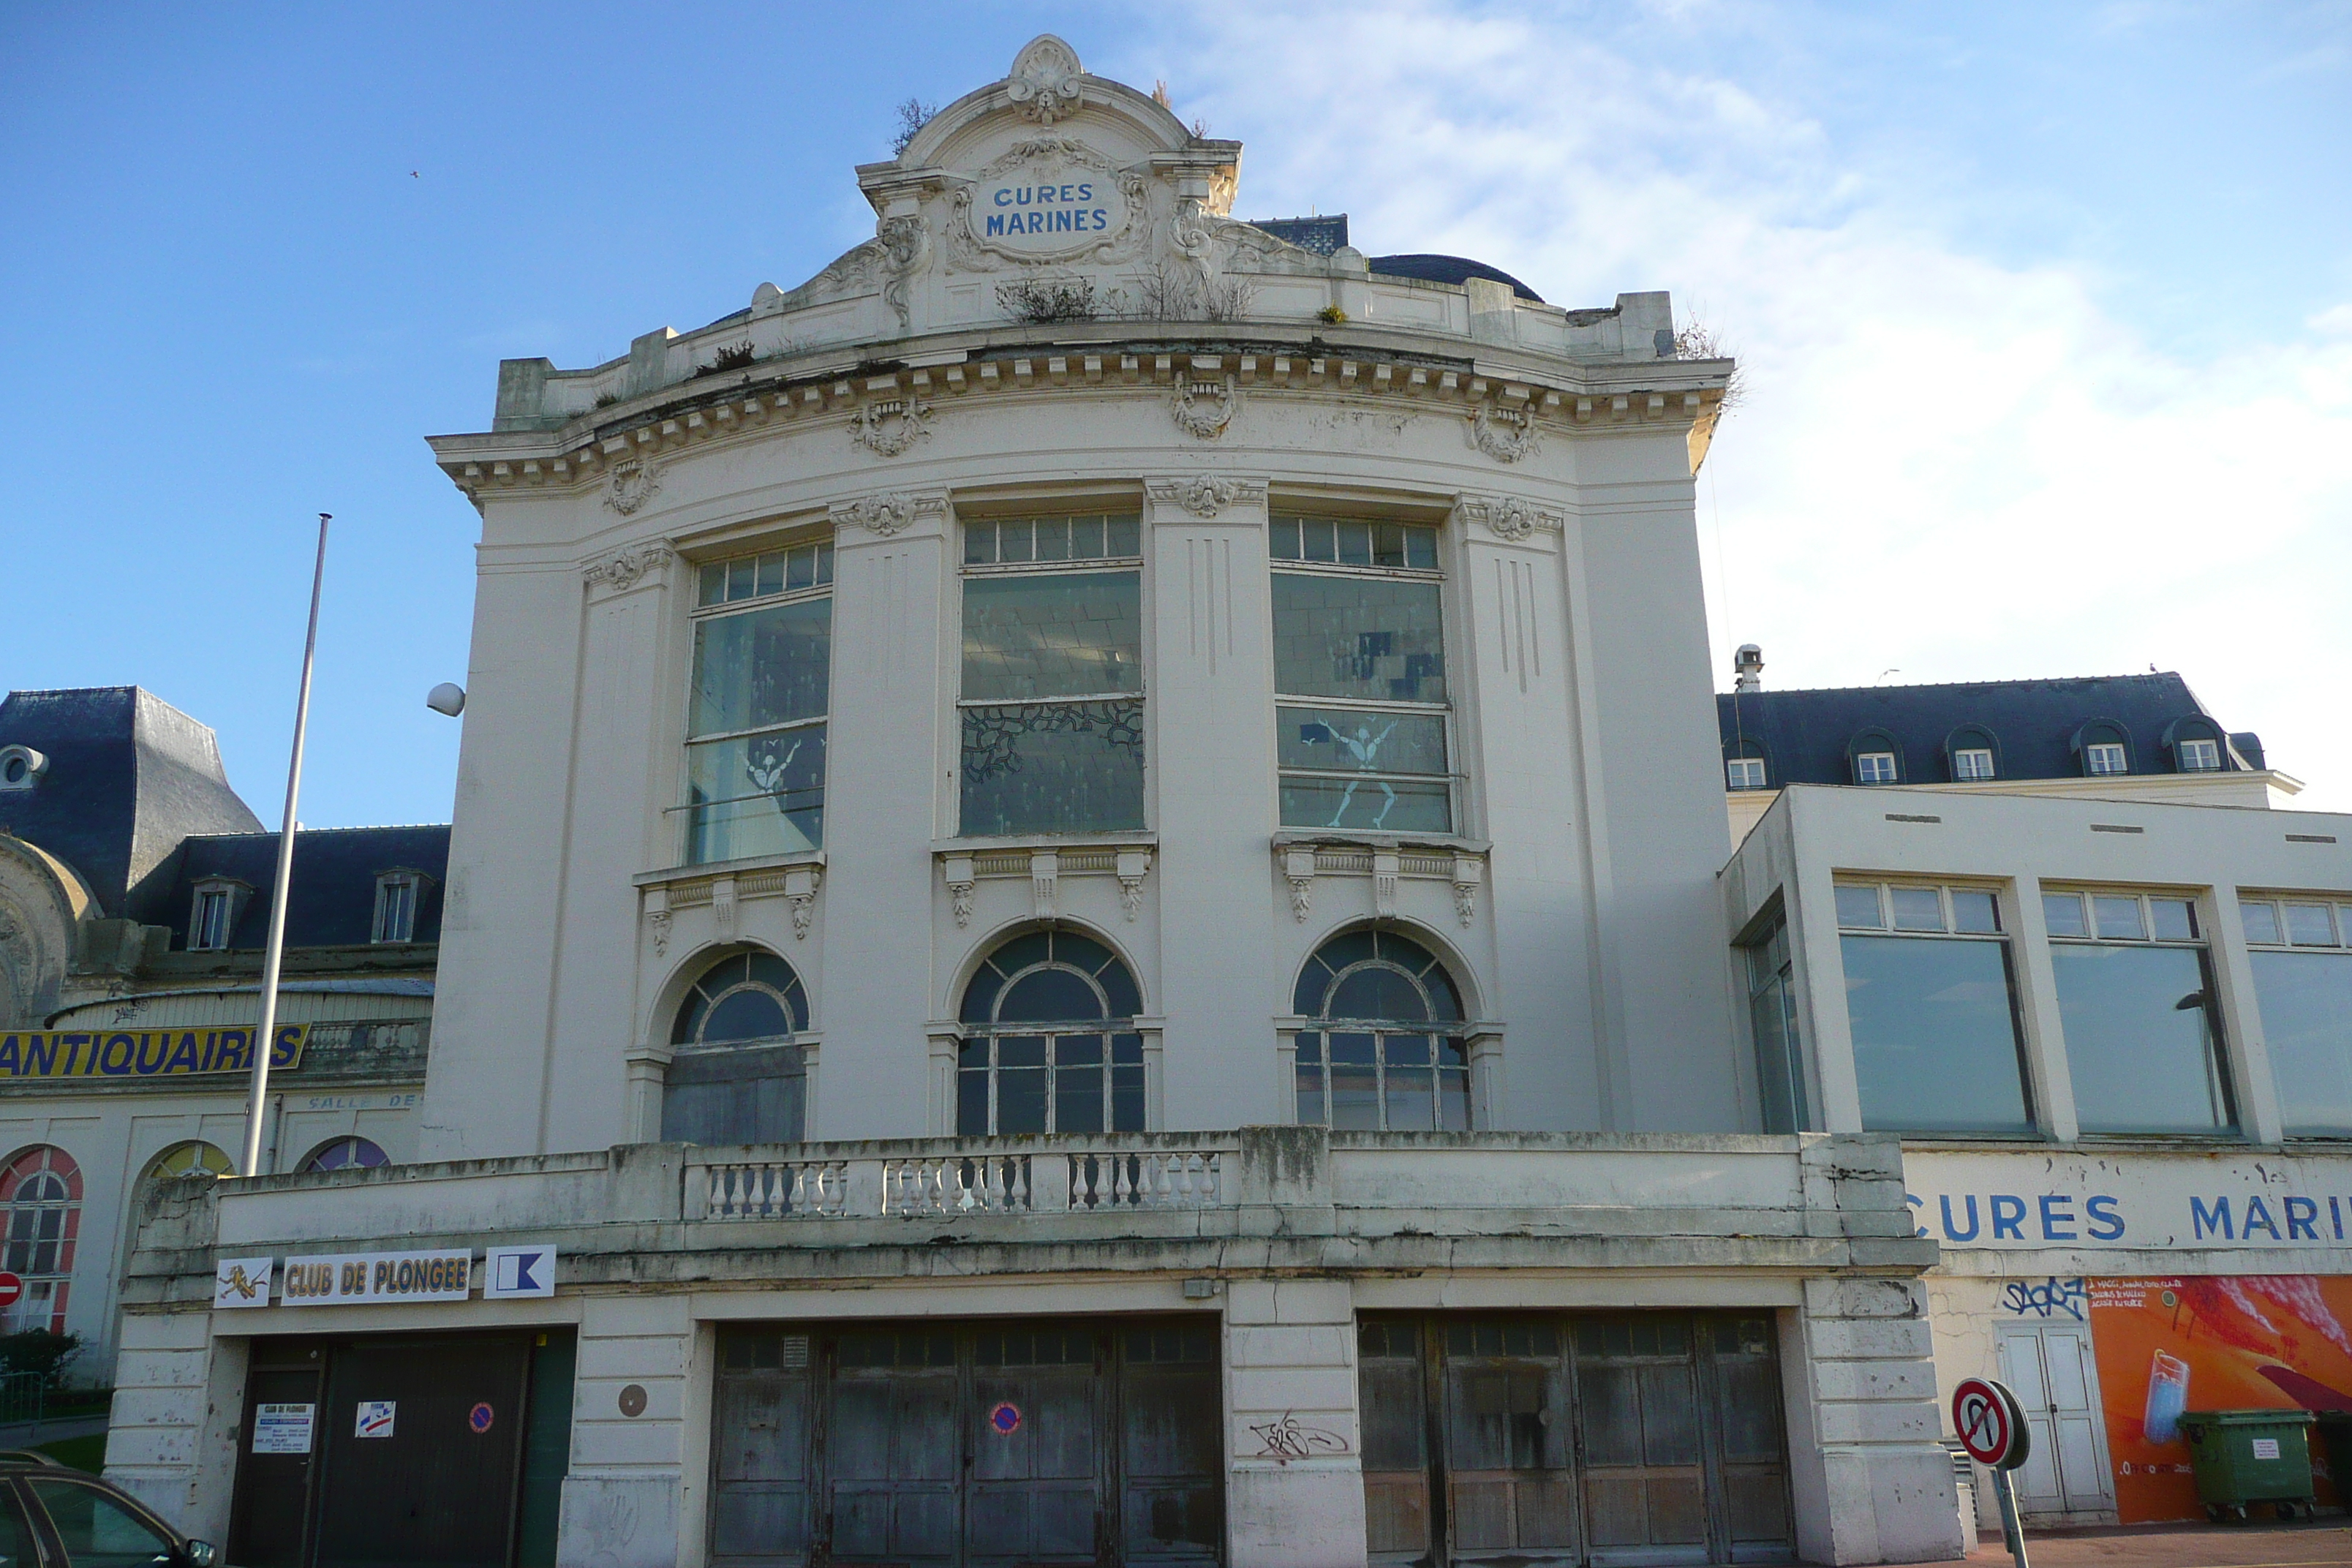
(83, 1453)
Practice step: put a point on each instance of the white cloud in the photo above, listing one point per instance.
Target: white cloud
(1960, 468)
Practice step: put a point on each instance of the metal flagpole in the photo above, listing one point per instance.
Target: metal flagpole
(274, 954)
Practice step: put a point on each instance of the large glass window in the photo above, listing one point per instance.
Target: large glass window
(1773, 1017)
(2300, 950)
(1049, 1040)
(1053, 674)
(756, 720)
(736, 1075)
(1931, 1000)
(1385, 1048)
(40, 1193)
(1359, 673)
(2136, 1002)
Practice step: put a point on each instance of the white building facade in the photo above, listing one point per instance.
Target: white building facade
(1083, 905)
(2115, 1037)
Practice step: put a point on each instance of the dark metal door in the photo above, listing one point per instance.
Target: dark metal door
(892, 1449)
(1507, 1443)
(1170, 1414)
(270, 1515)
(1035, 1493)
(1396, 1440)
(439, 1486)
(760, 1510)
(980, 1446)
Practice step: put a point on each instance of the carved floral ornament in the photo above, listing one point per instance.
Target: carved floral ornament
(1504, 433)
(1205, 495)
(887, 514)
(887, 426)
(630, 483)
(1508, 517)
(1045, 85)
(622, 568)
(1204, 407)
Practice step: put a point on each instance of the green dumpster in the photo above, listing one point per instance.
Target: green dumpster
(2335, 1437)
(2248, 1457)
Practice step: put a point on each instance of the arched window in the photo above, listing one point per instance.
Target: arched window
(347, 1153)
(41, 1193)
(1382, 1048)
(195, 1157)
(736, 1075)
(1049, 1041)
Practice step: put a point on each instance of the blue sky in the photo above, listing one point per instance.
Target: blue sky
(2047, 309)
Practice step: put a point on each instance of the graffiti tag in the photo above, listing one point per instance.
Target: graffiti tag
(2048, 1298)
(1286, 1440)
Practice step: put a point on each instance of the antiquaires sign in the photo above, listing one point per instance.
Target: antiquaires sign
(141, 1053)
(2183, 1201)
(351, 1278)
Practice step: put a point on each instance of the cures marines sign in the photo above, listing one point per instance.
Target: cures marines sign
(1052, 198)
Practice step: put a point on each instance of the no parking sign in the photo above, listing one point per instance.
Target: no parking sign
(1990, 1423)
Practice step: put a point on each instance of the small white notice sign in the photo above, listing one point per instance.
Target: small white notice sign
(2265, 1447)
(241, 1282)
(376, 1418)
(282, 1428)
(509, 1272)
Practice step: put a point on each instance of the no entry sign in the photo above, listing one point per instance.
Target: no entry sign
(1990, 1421)
(12, 1289)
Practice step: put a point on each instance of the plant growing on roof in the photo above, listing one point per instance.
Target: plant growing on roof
(913, 115)
(1034, 300)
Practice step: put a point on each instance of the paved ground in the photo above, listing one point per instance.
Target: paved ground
(2303, 1544)
(26, 1433)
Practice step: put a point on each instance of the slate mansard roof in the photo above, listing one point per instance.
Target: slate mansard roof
(128, 777)
(135, 799)
(331, 903)
(1808, 737)
(1324, 234)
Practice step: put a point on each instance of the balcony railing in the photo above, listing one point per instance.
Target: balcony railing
(942, 1177)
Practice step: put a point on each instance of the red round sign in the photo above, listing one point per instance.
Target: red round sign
(1990, 1426)
(12, 1289)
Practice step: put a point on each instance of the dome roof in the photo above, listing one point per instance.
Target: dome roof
(1434, 269)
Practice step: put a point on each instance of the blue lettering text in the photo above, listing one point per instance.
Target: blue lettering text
(2258, 1216)
(2301, 1216)
(2008, 1217)
(2216, 1220)
(2057, 1209)
(2100, 1212)
(1951, 1234)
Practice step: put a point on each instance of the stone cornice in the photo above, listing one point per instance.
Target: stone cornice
(1504, 409)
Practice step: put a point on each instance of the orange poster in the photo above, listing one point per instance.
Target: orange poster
(2248, 1342)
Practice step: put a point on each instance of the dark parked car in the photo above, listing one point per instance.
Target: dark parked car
(51, 1517)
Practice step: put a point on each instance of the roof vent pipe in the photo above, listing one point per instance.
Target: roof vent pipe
(1748, 668)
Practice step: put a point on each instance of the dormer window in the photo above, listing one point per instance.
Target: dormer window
(397, 894)
(1874, 767)
(2104, 749)
(2198, 756)
(1744, 772)
(212, 916)
(1972, 762)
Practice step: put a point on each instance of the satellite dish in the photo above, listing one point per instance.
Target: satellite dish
(447, 697)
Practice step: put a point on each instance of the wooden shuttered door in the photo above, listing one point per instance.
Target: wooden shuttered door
(1623, 1438)
(969, 1444)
